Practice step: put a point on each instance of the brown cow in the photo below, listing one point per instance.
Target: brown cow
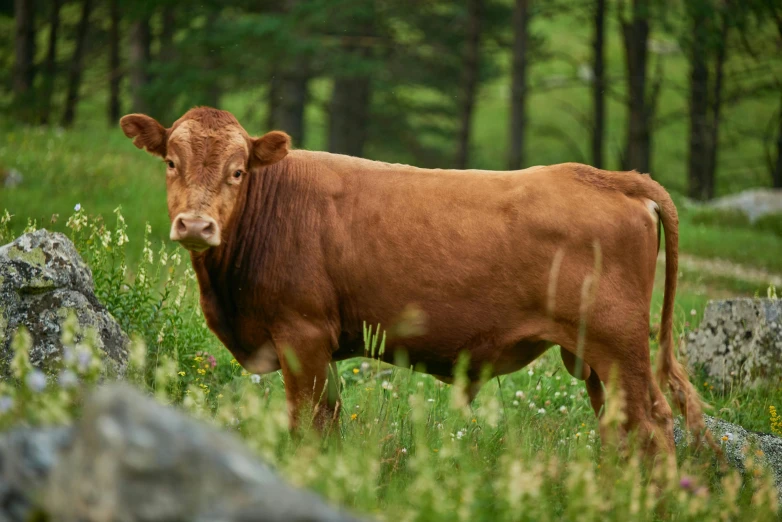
(295, 250)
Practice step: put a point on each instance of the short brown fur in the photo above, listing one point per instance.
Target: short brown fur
(315, 244)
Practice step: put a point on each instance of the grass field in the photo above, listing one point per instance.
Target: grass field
(407, 446)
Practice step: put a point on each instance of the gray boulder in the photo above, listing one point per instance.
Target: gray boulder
(26, 459)
(737, 444)
(42, 280)
(739, 342)
(132, 459)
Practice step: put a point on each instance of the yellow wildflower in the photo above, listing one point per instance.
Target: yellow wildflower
(354, 416)
(201, 371)
(181, 373)
(355, 370)
(198, 359)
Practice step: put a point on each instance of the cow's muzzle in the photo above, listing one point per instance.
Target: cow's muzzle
(195, 233)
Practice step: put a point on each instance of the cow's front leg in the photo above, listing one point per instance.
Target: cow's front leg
(311, 381)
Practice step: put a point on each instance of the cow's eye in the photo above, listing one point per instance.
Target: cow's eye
(237, 174)
(170, 164)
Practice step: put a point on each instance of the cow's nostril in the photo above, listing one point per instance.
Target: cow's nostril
(181, 226)
(208, 230)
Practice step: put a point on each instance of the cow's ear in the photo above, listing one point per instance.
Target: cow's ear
(270, 148)
(145, 132)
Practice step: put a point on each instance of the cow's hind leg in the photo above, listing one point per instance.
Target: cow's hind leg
(646, 412)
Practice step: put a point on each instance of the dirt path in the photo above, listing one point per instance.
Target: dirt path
(723, 267)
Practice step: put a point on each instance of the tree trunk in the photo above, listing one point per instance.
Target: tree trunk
(50, 69)
(470, 79)
(349, 115)
(716, 109)
(598, 85)
(24, 65)
(74, 78)
(638, 140)
(698, 161)
(140, 41)
(776, 174)
(271, 98)
(291, 99)
(518, 102)
(115, 72)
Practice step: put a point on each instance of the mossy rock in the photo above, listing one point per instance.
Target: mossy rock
(43, 280)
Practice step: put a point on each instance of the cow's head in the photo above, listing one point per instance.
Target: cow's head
(208, 156)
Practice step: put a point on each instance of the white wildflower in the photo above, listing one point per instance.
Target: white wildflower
(36, 381)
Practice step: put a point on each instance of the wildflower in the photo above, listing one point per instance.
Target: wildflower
(386, 385)
(542, 411)
(198, 358)
(531, 405)
(577, 435)
(404, 450)
(435, 450)
(6, 403)
(201, 371)
(530, 372)
(84, 358)
(181, 374)
(519, 394)
(355, 370)
(67, 379)
(515, 403)
(36, 380)
(353, 416)
(685, 482)
(693, 312)
(255, 378)
(563, 409)
(77, 207)
(588, 447)
(211, 361)
(557, 394)
(365, 366)
(429, 400)
(474, 420)
(776, 421)
(728, 437)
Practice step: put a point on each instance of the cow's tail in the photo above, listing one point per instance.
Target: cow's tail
(670, 372)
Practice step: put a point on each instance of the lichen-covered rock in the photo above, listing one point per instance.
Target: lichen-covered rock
(738, 444)
(132, 459)
(43, 280)
(739, 342)
(26, 460)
